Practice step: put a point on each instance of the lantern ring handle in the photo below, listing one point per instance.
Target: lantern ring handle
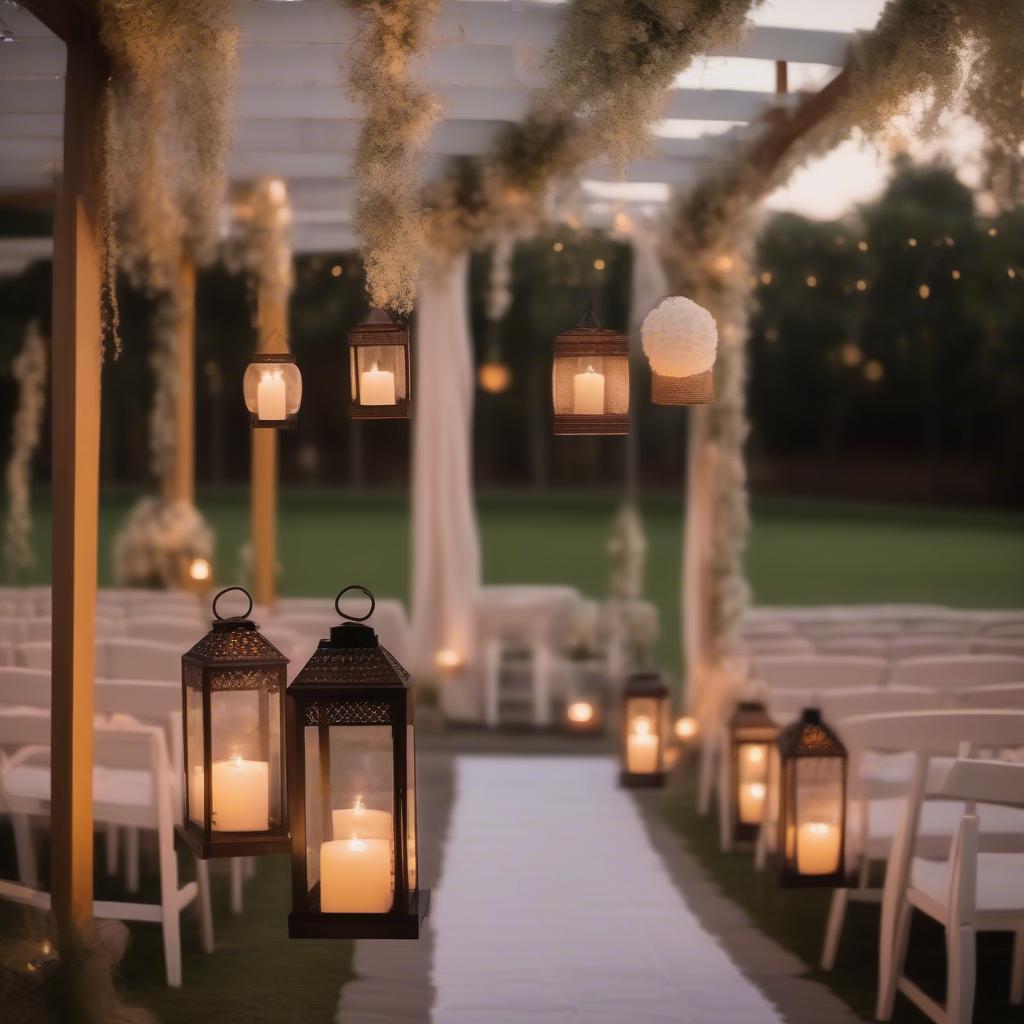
(228, 590)
(355, 618)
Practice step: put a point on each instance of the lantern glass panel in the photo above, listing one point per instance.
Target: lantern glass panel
(272, 388)
(591, 384)
(194, 745)
(814, 831)
(379, 374)
(644, 731)
(350, 829)
(411, 838)
(751, 781)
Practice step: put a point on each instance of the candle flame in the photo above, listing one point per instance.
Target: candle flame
(757, 790)
(236, 760)
(755, 754)
(359, 805)
(642, 726)
(819, 828)
(581, 711)
(686, 727)
(355, 843)
(590, 369)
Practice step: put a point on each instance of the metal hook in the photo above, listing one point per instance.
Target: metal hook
(355, 618)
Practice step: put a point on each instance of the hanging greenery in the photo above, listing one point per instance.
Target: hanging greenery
(29, 370)
(399, 117)
(166, 136)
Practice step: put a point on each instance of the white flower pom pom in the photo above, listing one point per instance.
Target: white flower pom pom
(680, 338)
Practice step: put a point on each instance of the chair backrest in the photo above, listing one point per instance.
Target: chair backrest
(989, 782)
(819, 632)
(33, 655)
(1001, 695)
(21, 727)
(927, 645)
(1008, 629)
(785, 705)
(1007, 646)
(933, 733)
(136, 747)
(177, 632)
(957, 671)
(818, 674)
(146, 700)
(140, 659)
(946, 626)
(6, 654)
(778, 646)
(855, 646)
(12, 631)
(25, 687)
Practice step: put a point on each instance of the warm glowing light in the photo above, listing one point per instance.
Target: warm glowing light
(723, 264)
(992, 232)
(812, 281)
(199, 569)
(599, 264)
(956, 275)
(336, 270)
(862, 285)
(642, 726)
(851, 355)
(755, 754)
(686, 727)
(448, 657)
(874, 370)
(924, 291)
(771, 335)
(949, 241)
(863, 246)
(494, 378)
(1010, 272)
(766, 277)
(912, 242)
(276, 190)
(580, 712)
(558, 247)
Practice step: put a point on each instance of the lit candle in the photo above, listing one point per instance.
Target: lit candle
(241, 795)
(270, 398)
(356, 876)
(588, 391)
(641, 748)
(362, 822)
(817, 848)
(377, 386)
(751, 802)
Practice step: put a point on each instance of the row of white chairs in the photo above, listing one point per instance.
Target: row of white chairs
(890, 648)
(904, 615)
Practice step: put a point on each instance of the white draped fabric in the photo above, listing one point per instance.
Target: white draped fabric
(445, 541)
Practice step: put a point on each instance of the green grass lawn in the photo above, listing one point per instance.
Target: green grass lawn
(801, 551)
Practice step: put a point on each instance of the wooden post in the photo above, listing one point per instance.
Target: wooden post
(180, 483)
(77, 340)
(272, 324)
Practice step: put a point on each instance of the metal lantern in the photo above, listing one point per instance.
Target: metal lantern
(352, 791)
(751, 732)
(272, 387)
(232, 689)
(379, 368)
(590, 379)
(811, 823)
(644, 730)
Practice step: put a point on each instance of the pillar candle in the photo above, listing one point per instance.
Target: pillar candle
(588, 393)
(270, 397)
(751, 802)
(641, 749)
(241, 795)
(362, 823)
(356, 876)
(817, 848)
(377, 386)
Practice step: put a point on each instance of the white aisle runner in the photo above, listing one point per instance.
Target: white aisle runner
(554, 909)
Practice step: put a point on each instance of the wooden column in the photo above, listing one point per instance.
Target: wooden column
(77, 340)
(272, 324)
(180, 483)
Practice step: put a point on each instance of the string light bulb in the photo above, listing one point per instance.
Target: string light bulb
(956, 275)
(912, 242)
(862, 285)
(336, 270)
(924, 291)
(812, 281)
(862, 245)
(558, 247)
(766, 277)
(599, 264)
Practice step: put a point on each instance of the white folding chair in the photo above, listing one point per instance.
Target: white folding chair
(25, 687)
(1007, 629)
(853, 646)
(957, 671)
(1001, 695)
(821, 673)
(33, 655)
(6, 654)
(123, 658)
(777, 646)
(927, 645)
(12, 631)
(180, 633)
(131, 788)
(1007, 646)
(968, 892)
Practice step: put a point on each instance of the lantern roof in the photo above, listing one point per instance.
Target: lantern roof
(810, 736)
(645, 684)
(750, 713)
(234, 639)
(588, 334)
(352, 656)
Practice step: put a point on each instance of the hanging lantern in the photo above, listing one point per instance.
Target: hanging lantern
(272, 388)
(680, 340)
(752, 732)
(379, 368)
(233, 685)
(352, 791)
(811, 822)
(590, 379)
(644, 726)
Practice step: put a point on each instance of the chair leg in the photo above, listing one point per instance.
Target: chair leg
(834, 928)
(112, 837)
(131, 860)
(1017, 971)
(25, 850)
(204, 906)
(891, 961)
(235, 871)
(962, 953)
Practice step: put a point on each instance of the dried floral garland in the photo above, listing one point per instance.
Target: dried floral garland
(157, 541)
(29, 371)
(399, 117)
(166, 137)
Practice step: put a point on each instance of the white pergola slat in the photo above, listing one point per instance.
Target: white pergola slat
(294, 120)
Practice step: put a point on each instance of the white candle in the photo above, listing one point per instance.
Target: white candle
(362, 822)
(270, 398)
(588, 393)
(641, 749)
(356, 876)
(241, 795)
(751, 802)
(817, 848)
(377, 386)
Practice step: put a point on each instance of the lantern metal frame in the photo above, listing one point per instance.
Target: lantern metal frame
(378, 330)
(351, 680)
(224, 659)
(808, 737)
(589, 338)
(644, 686)
(291, 419)
(750, 725)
